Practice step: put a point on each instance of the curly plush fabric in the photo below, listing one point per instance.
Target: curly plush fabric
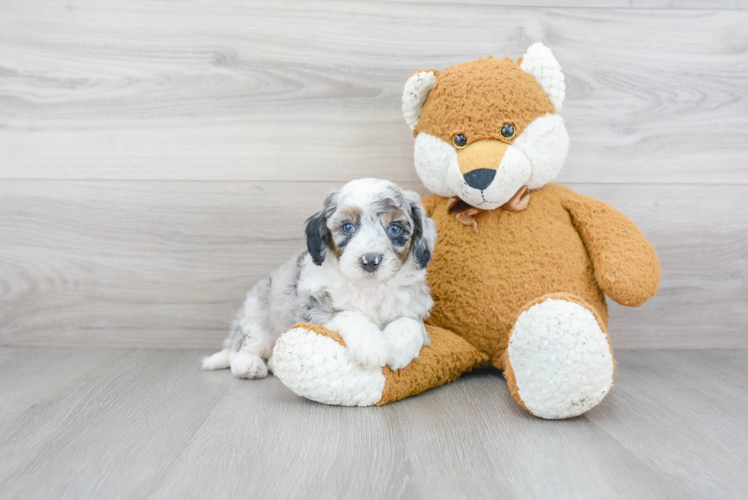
(312, 361)
(626, 264)
(540, 63)
(444, 360)
(309, 360)
(560, 345)
(480, 281)
(477, 98)
(522, 286)
(416, 91)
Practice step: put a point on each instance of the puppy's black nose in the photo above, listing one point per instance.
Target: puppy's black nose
(480, 178)
(370, 261)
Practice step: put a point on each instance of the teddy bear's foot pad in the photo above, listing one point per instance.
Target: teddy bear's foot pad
(319, 368)
(560, 358)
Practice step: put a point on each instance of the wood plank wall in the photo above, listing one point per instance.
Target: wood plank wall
(157, 157)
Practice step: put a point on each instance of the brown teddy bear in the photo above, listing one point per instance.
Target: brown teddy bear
(521, 265)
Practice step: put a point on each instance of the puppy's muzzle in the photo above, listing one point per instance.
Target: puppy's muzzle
(370, 262)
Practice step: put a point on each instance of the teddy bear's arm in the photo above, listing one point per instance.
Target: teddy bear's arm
(626, 264)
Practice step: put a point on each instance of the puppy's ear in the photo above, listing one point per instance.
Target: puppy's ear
(317, 234)
(317, 238)
(424, 232)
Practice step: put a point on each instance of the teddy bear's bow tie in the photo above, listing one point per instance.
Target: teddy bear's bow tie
(464, 213)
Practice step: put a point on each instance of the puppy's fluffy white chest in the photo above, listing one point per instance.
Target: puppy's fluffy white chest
(405, 295)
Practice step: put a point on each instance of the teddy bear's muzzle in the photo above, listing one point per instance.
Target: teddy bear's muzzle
(488, 174)
(480, 160)
(480, 178)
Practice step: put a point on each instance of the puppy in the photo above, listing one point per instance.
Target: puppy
(363, 276)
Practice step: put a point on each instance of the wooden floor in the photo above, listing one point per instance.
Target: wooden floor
(147, 423)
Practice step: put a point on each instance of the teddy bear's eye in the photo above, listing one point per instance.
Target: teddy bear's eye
(459, 141)
(507, 131)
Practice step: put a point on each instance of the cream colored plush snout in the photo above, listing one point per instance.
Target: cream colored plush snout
(488, 173)
(479, 162)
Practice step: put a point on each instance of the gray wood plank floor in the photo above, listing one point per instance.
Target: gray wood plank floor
(145, 423)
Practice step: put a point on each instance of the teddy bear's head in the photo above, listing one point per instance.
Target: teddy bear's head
(485, 129)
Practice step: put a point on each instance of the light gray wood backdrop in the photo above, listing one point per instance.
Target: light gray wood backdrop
(158, 157)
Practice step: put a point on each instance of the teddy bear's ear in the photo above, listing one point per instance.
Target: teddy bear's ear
(416, 91)
(540, 63)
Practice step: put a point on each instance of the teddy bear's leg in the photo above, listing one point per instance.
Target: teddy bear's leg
(559, 362)
(314, 363)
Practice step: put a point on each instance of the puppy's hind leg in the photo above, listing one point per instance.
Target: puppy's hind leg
(257, 342)
(217, 361)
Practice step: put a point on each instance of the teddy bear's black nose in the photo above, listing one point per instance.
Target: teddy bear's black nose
(480, 178)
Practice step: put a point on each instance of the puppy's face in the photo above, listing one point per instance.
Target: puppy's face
(373, 229)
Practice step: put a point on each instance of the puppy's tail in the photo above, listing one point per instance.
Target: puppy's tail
(217, 361)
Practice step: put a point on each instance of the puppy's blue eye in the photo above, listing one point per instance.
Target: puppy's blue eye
(394, 230)
(349, 228)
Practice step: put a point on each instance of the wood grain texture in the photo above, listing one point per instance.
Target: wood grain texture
(657, 393)
(146, 147)
(126, 422)
(611, 4)
(149, 424)
(166, 264)
(42, 371)
(140, 263)
(254, 433)
(473, 441)
(297, 90)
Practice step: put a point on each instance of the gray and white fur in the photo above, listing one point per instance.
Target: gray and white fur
(363, 276)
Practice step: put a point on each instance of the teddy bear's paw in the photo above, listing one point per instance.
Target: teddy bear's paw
(319, 368)
(560, 358)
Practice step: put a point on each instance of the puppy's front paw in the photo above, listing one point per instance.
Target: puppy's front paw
(365, 342)
(406, 337)
(368, 350)
(246, 365)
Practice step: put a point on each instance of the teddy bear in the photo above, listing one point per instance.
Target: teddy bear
(521, 265)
